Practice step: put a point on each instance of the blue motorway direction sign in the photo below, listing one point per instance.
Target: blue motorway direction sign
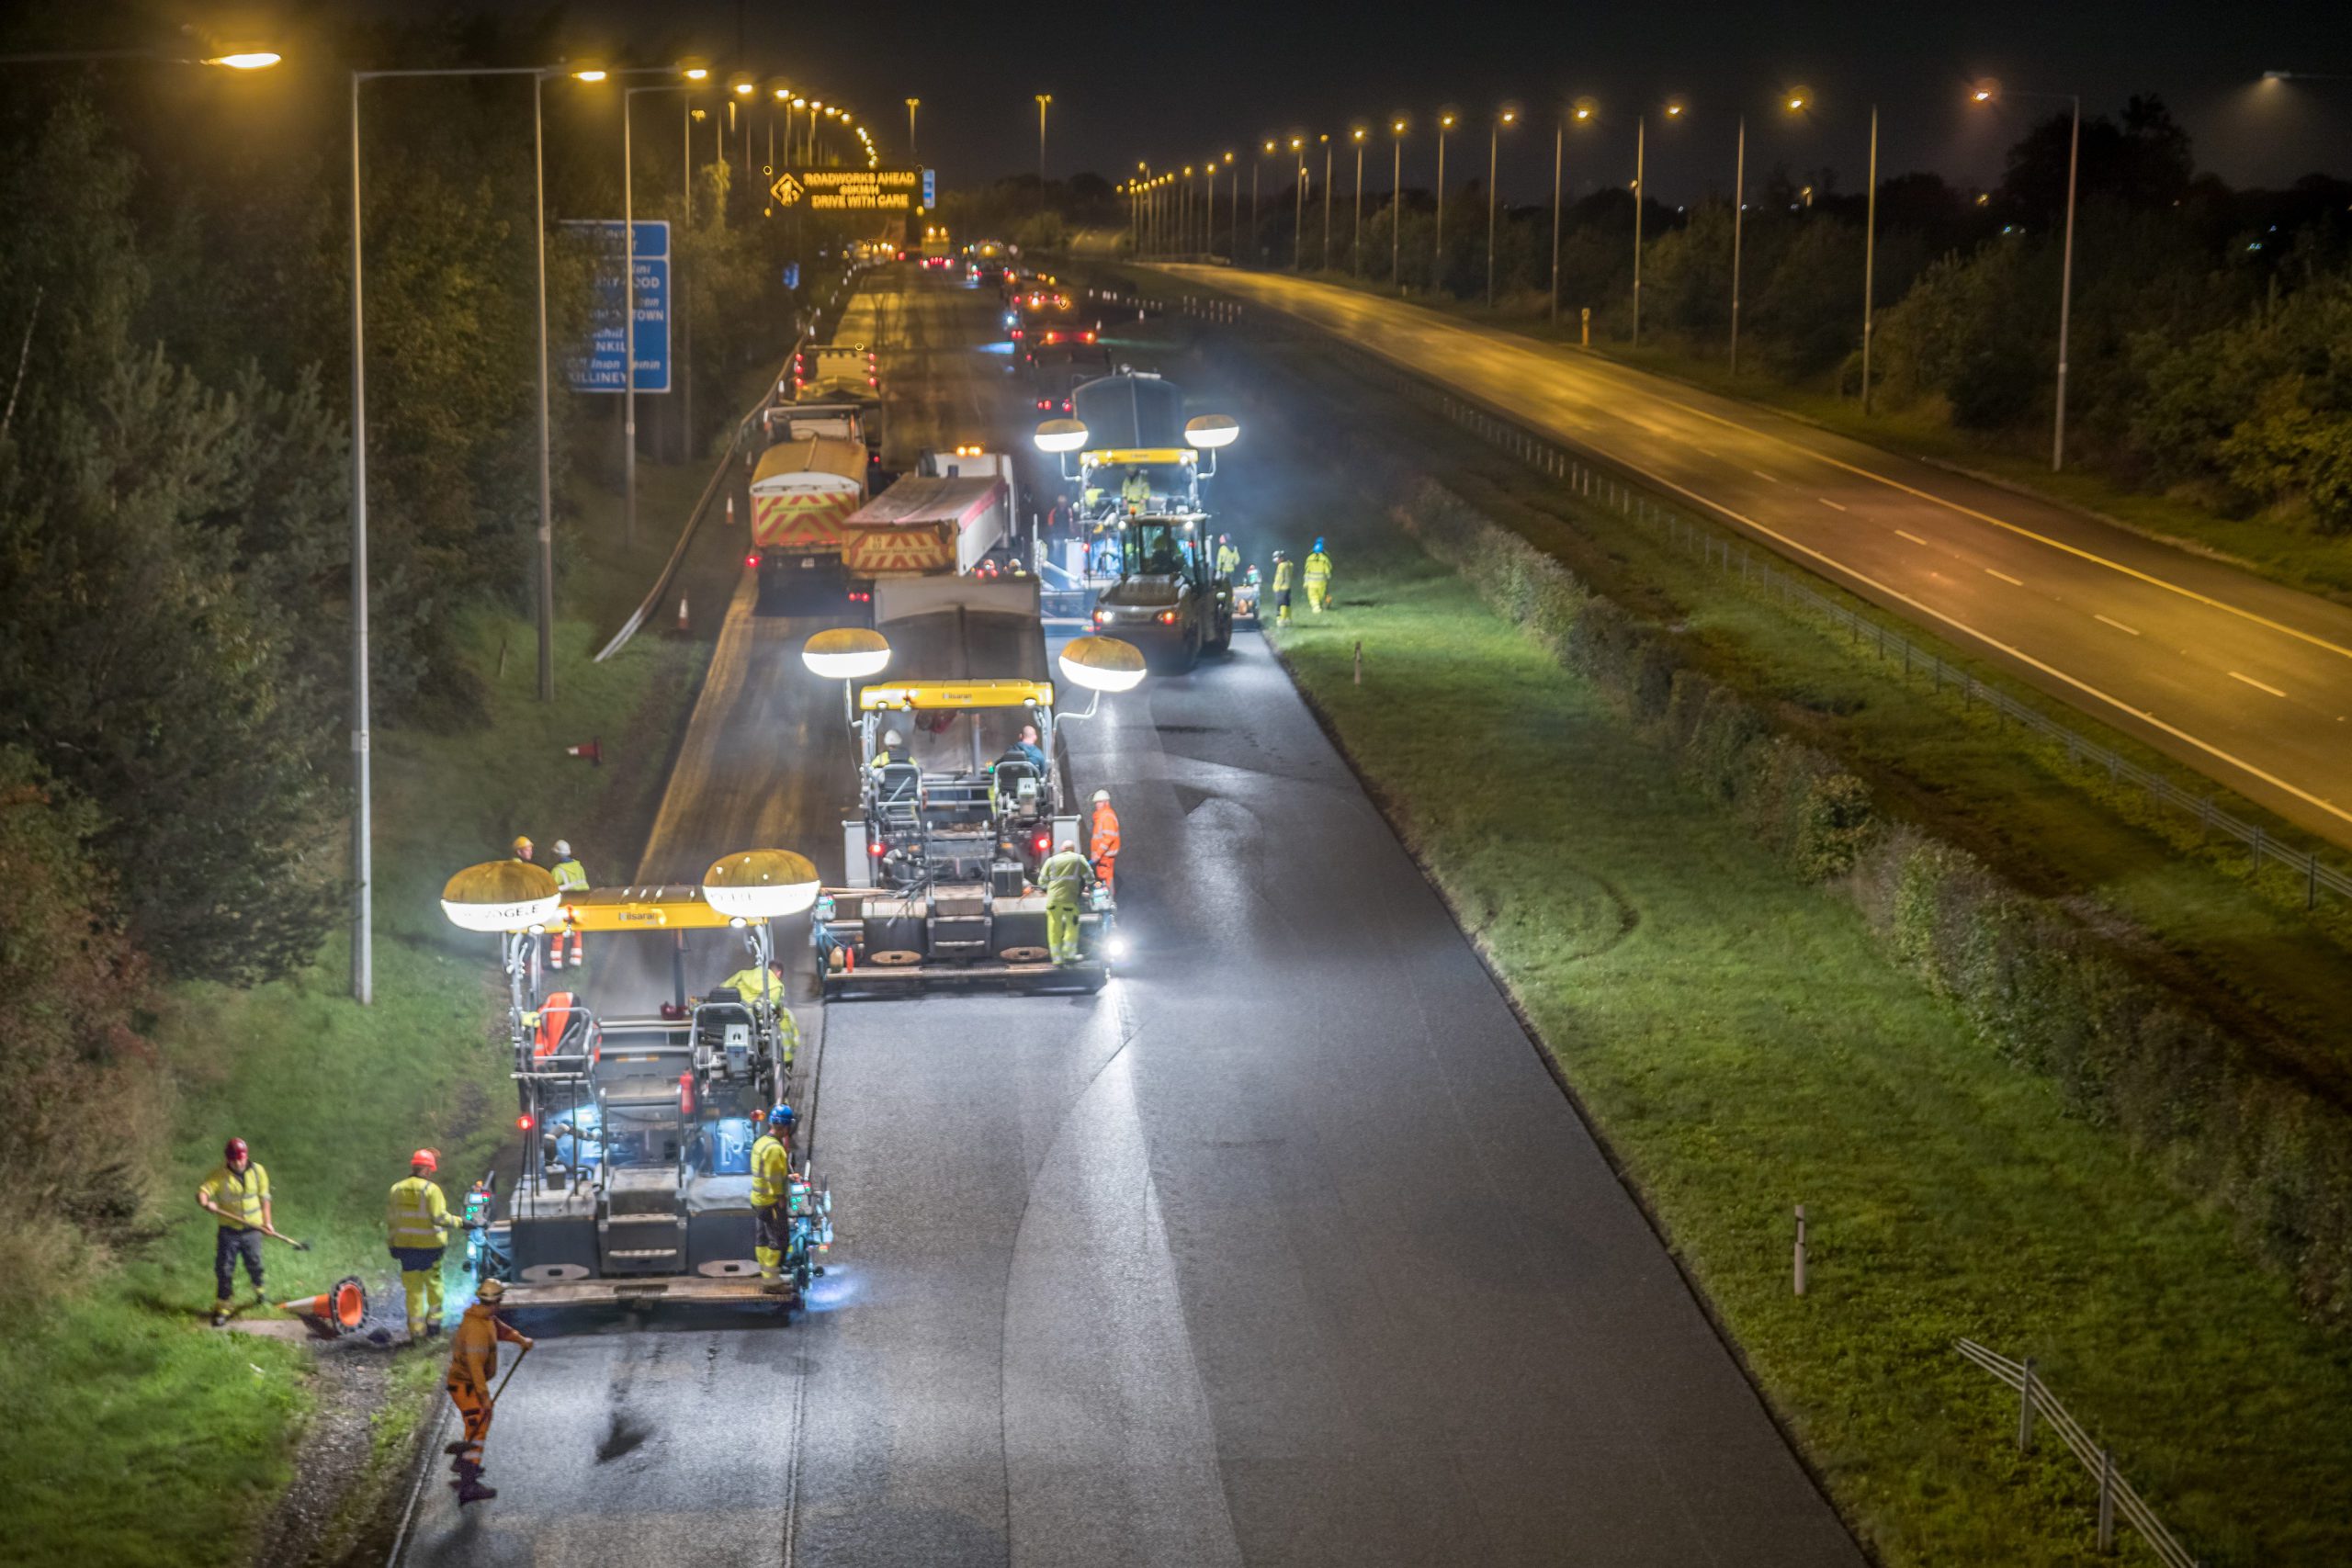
(930, 189)
(603, 366)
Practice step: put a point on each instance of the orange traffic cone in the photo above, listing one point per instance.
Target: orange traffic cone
(683, 627)
(594, 750)
(331, 1312)
(730, 512)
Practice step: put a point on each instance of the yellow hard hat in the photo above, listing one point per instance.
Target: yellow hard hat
(490, 1290)
(521, 845)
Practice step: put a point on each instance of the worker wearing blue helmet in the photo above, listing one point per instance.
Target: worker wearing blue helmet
(771, 1192)
(1319, 576)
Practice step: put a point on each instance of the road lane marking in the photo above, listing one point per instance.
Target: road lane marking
(1529, 350)
(1762, 475)
(2004, 577)
(2119, 626)
(1912, 537)
(1831, 504)
(2257, 684)
(1798, 547)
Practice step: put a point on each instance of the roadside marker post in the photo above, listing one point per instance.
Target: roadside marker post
(1800, 1250)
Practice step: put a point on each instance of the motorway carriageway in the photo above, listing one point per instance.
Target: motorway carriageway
(1285, 1248)
(2246, 682)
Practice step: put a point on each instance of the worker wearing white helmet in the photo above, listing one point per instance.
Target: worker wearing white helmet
(1063, 879)
(894, 750)
(1102, 837)
(570, 878)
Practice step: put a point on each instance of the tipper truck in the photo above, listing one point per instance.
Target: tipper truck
(803, 490)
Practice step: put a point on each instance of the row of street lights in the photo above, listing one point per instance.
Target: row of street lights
(1585, 112)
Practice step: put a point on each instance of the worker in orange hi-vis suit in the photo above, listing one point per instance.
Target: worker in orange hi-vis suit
(473, 1367)
(1104, 837)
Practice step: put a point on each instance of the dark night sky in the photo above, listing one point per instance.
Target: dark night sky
(1173, 83)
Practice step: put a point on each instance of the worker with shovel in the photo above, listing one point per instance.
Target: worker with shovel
(238, 1193)
(473, 1362)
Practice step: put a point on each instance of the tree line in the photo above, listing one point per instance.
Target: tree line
(174, 542)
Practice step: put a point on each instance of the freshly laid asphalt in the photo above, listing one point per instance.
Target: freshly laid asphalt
(2247, 682)
(1285, 1248)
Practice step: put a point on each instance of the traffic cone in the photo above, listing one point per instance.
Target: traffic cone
(331, 1312)
(683, 627)
(594, 751)
(730, 512)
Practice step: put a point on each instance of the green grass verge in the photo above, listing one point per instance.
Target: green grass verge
(1741, 1044)
(2282, 550)
(2248, 950)
(138, 1435)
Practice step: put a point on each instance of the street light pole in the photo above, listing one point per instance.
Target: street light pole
(1323, 264)
(1437, 258)
(1355, 248)
(363, 976)
(1559, 155)
(1298, 218)
(1986, 92)
(1493, 154)
(1043, 99)
(1641, 127)
(912, 156)
(1869, 278)
(1738, 212)
(1395, 204)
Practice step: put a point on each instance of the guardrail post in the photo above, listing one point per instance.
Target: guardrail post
(2025, 1410)
(2311, 891)
(2257, 846)
(1799, 1278)
(2107, 1500)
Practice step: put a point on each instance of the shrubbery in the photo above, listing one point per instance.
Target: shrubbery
(2221, 1120)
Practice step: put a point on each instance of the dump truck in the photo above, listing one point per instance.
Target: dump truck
(925, 526)
(803, 490)
(942, 849)
(633, 1179)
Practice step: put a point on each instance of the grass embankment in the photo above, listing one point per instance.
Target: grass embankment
(2282, 550)
(1744, 1046)
(137, 1435)
(2250, 952)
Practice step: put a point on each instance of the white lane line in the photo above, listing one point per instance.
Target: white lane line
(1912, 537)
(1794, 548)
(2004, 577)
(1829, 503)
(2257, 684)
(2119, 626)
(1762, 475)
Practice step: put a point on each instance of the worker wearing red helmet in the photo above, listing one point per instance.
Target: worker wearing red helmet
(238, 1194)
(417, 1226)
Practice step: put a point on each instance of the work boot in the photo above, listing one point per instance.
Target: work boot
(473, 1491)
(432, 1329)
(466, 1468)
(220, 1318)
(772, 1285)
(460, 1446)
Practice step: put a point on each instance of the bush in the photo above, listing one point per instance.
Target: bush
(83, 1099)
(2056, 997)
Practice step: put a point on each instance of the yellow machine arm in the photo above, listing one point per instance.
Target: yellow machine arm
(656, 908)
(924, 695)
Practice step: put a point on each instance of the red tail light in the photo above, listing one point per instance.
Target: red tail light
(1041, 843)
(751, 560)
(1167, 617)
(1100, 616)
(1090, 337)
(874, 849)
(523, 1122)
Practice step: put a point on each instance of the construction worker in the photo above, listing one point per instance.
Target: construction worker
(417, 1224)
(1028, 749)
(1102, 837)
(570, 877)
(522, 847)
(1135, 491)
(1282, 589)
(1229, 559)
(771, 1192)
(1064, 878)
(1319, 576)
(473, 1367)
(753, 983)
(238, 1192)
(894, 750)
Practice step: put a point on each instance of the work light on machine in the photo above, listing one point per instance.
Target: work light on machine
(1058, 435)
(1103, 664)
(760, 885)
(1211, 430)
(501, 896)
(846, 653)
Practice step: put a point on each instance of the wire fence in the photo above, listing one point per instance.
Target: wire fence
(2117, 1499)
(1758, 569)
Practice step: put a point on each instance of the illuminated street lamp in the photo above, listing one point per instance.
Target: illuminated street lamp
(1738, 216)
(1233, 206)
(1395, 200)
(912, 105)
(1323, 262)
(1989, 91)
(1043, 101)
(1298, 219)
(1437, 261)
(1582, 113)
(1257, 213)
(1494, 153)
(1355, 249)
